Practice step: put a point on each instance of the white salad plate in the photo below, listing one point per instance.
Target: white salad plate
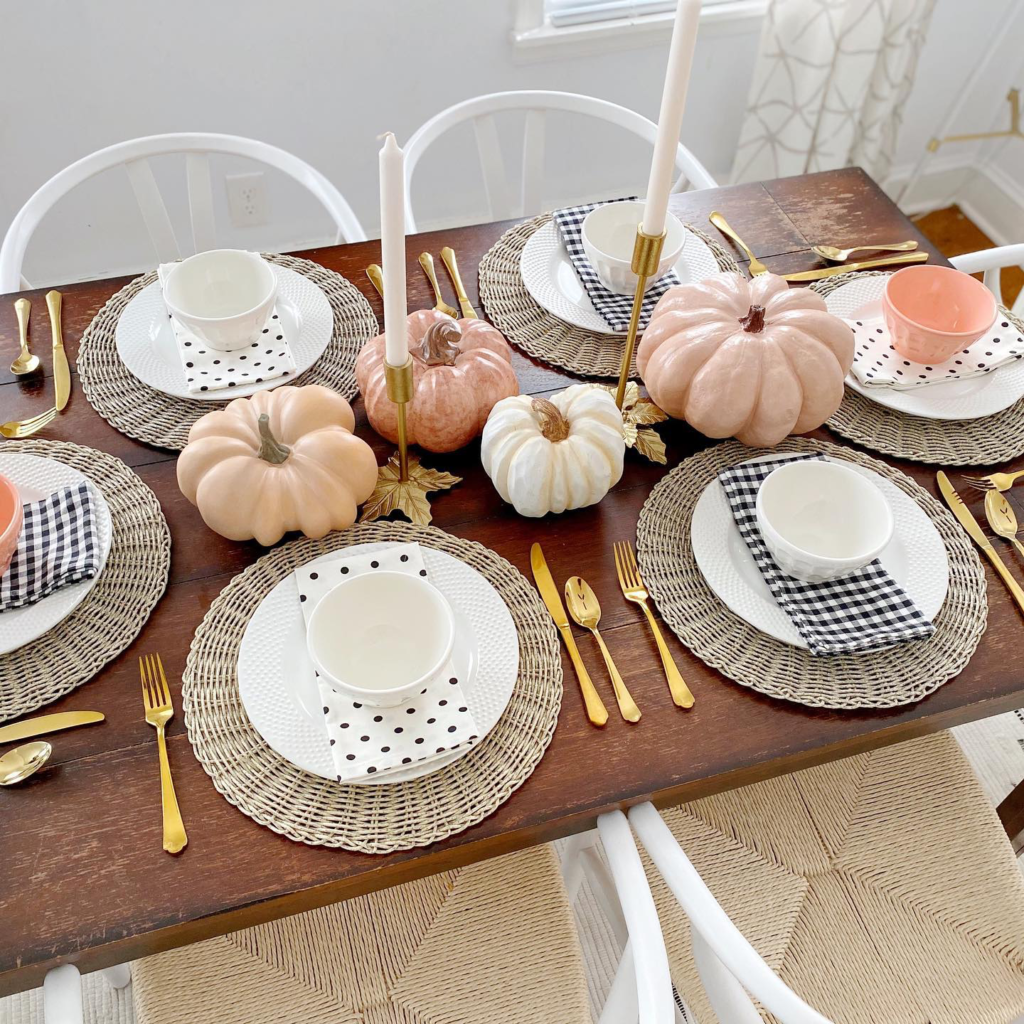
(146, 345)
(915, 558)
(281, 697)
(550, 278)
(36, 478)
(970, 399)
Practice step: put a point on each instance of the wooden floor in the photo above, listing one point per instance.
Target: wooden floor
(954, 233)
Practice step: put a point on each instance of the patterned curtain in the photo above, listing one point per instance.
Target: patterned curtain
(829, 86)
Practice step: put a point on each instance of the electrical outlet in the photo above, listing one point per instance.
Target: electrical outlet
(247, 199)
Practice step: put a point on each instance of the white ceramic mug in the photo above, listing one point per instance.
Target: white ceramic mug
(223, 296)
(381, 637)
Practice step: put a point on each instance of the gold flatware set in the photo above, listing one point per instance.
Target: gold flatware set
(426, 261)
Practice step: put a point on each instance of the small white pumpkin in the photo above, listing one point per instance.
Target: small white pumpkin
(547, 456)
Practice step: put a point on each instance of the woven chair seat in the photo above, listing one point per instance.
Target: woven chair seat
(879, 888)
(494, 943)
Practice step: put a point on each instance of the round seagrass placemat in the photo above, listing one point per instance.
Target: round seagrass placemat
(149, 415)
(369, 819)
(898, 675)
(512, 309)
(985, 441)
(112, 613)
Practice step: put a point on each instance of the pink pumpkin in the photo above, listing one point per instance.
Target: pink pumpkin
(754, 360)
(461, 369)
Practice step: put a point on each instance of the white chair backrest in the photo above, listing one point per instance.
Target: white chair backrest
(991, 261)
(481, 110)
(134, 156)
(728, 965)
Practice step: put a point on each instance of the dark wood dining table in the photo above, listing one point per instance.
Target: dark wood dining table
(83, 878)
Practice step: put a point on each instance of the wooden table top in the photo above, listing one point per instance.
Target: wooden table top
(84, 878)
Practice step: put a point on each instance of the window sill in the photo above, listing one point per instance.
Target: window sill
(545, 42)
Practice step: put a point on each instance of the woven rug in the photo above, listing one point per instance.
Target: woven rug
(899, 675)
(148, 415)
(540, 334)
(381, 818)
(112, 613)
(986, 441)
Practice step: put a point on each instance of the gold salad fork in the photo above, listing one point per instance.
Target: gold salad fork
(994, 481)
(756, 266)
(427, 263)
(633, 589)
(22, 428)
(157, 698)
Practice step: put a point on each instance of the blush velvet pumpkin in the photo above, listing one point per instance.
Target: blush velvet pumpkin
(755, 360)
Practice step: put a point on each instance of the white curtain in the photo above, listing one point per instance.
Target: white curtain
(831, 80)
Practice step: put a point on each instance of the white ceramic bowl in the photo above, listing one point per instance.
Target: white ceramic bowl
(381, 637)
(821, 520)
(609, 234)
(224, 296)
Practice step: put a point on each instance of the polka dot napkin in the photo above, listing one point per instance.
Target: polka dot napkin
(876, 364)
(268, 356)
(369, 740)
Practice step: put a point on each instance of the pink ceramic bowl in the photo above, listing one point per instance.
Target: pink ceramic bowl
(934, 312)
(12, 519)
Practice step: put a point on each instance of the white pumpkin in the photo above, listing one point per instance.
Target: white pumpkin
(547, 456)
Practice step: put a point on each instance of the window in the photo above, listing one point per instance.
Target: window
(579, 12)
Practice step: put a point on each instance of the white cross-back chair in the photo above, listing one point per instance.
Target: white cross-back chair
(134, 156)
(502, 201)
(991, 262)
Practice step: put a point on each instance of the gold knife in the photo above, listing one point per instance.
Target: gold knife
(846, 268)
(596, 711)
(974, 530)
(448, 259)
(61, 370)
(46, 724)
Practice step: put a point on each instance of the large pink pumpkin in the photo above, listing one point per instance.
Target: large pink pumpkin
(754, 360)
(461, 369)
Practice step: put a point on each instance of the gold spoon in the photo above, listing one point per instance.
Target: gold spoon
(376, 276)
(586, 612)
(21, 762)
(1001, 518)
(830, 252)
(24, 363)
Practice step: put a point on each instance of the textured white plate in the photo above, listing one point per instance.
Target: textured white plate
(915, 558)
(36, 478)
(146, 345)
(549, 276)
(971, 399)
(280, 695)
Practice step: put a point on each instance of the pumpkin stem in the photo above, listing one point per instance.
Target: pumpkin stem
(553, 425)
(753, 322)
(439, 347)
(271, 450)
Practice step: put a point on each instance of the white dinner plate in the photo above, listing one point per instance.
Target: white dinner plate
(146, 345)
(36, 478)
(915, 558)
(280, 694)
(971, 399)
(549, 277)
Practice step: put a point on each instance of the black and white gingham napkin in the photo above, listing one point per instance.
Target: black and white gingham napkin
(863, 611)
(614, 309)
(58, 546)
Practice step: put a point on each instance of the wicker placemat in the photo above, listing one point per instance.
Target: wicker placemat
(149, 415)
(986, 441)
(512, 309)
(879, 679)
(370, 819)
(112, 613)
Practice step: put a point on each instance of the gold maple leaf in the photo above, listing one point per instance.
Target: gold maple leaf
(406, 496)
(640, 412)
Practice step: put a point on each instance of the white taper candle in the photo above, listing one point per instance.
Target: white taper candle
(392, 250)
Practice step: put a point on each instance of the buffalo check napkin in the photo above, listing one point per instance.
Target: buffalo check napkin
(369, 740)
(268, 356)
(876, 364)
(863, 611)
(58, 546)
(614, 309)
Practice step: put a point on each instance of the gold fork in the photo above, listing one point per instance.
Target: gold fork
(994, 481)
(427, 263)
(22, 428)
(756, 266)
(633, 589)
(157, 698)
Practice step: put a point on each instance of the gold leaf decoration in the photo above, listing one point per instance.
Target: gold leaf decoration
(640, 412)
(650, 445)
(406, 496)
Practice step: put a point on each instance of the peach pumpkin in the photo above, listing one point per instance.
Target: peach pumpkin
(461, 368)
(755, 360)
